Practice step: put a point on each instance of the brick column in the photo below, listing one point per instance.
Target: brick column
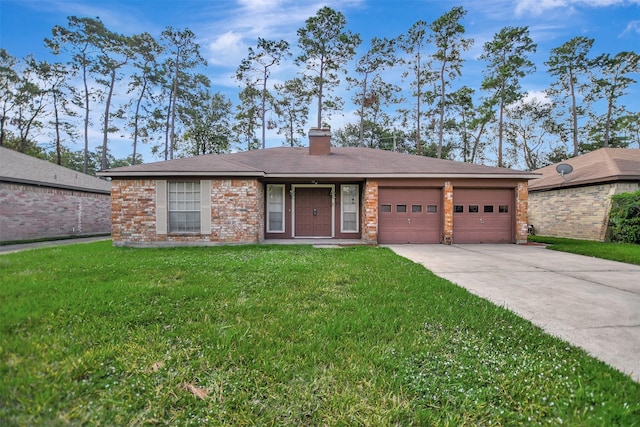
(448, 213)
(522, 214)
(370, 213)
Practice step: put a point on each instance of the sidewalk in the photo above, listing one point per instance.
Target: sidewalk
(34, 245)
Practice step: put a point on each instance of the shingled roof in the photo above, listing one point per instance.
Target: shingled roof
(21, 168)
(296, 162)
(597, 167)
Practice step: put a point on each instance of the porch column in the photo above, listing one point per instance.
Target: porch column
(522, 212)
(370, 213)
(447, 237)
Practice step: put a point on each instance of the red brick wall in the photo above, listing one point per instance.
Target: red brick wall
(133, 211)
(32, 212)
(237, 213)
(447, 234)
(522, 214)
(370, 212)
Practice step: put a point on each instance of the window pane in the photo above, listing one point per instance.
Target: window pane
(349, 197)
(473, 208)
(184, 207)
(349, 222)
(275, 221)
(184, 222)
(275, 208)
(416, 208)
(432, 208)
(503, 208)
(488, 208)
(385, 208)
(458, 209)
(401, 208)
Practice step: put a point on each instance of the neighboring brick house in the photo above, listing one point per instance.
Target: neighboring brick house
(39, 199)
(577, 205)
(351, 193)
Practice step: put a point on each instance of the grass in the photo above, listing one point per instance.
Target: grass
(278, 335)
(623, 252)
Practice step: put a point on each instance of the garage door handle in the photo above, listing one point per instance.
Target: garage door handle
(315, 212)
(409, 221)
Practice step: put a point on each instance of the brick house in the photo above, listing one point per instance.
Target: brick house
(39, 199)
(577, 205)
(321, 191)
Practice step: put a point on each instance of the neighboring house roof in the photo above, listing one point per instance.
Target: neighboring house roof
(296, 162)
(21, 168)
(597, 167)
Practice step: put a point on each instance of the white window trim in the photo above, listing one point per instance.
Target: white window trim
(269, 187)
(342, 212)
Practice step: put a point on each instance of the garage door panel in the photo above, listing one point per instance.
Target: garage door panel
(413, 223)
(484, 216)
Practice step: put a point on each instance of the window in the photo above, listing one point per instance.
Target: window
(401, 208)
(458, 209)
(473, 208)
(385, 208)
(488, 208)
(350, 197)
(503, 208)
(416, 208)
(184, 207)
(275, 208)
(432, 208)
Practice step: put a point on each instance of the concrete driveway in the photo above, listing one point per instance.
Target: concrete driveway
(589, 302)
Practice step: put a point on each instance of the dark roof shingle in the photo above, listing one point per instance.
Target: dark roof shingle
(21, 168)
(599, 166)
(294, 162)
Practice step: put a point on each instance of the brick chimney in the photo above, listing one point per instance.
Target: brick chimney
(319, 142)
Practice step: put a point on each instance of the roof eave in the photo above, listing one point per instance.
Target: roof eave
(174, 173)
(319, 174)
(93, 190)
(404, 175)
(584, 183)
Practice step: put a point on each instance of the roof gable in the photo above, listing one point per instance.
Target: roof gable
(297, 162)
(599, 166)
(21, 168)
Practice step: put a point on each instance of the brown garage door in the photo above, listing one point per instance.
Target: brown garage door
(409, 215)
(483, 215)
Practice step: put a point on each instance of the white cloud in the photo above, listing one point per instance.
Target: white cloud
(537, 95)
(227, 48)
(260, 4)
(633, 27)
(538, 7)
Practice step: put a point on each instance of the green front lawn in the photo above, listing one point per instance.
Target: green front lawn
(623, 252)
(277, 335)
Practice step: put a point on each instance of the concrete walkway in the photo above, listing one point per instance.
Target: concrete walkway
(35, 245)
(589, 302)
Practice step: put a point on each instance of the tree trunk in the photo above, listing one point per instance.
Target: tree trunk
(105, 129)
(85, 166)
(574, 115)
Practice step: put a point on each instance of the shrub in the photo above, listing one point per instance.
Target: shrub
(625, 217)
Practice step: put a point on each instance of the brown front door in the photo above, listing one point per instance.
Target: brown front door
(483, 215)
(313, 212)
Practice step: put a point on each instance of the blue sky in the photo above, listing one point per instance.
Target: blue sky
(225, 28)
